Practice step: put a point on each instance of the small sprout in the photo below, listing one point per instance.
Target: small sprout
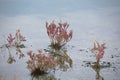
(98, 50)
(19, 36)
(15, 41)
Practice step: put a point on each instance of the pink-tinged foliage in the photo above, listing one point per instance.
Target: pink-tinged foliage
(58, 33)
(40, 62)
(98, 50)
(16, 40)
(10, 39)
(19, 36)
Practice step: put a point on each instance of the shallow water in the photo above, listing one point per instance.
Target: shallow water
(78, 49)
(101, 23)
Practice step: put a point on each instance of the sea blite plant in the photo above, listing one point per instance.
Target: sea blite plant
(40, 63)
(98, 50)
(10, 39)
(16, 40)
(58, 34)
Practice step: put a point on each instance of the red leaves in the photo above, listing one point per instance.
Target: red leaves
(58, 33)
(10, 39)
(98, 50)
(19, 36)
(15, 40)
(40, 61)
(31, 54)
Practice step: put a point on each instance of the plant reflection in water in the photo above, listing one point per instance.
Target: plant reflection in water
(11, 57)
(97, 69)
(16, 43)
(42, 64)
(44, 77)
(59, 36)
(63, 60)
(98, 50)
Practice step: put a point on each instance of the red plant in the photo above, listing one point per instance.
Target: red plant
(19, 36)
(58, 33)
(10, 39)
(40, 62)
(98, 50)
(16, 40)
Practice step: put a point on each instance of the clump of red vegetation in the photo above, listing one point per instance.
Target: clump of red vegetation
(40, 63)
(98, 50)
(16, 40)
(58, 34)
